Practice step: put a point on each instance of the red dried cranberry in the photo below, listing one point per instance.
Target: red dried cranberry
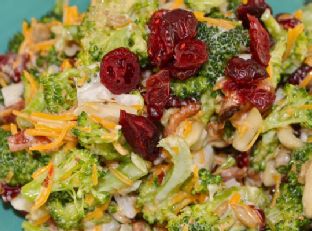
(260, 98)
(157, 94)
(299, 74)
(13, 65)
(245, 71)
(259, 41)
(156, 21)
(182, 74)
(177, 25)
(9, 192)
(158, 54)
(242, 160)
(120, 71)
(141, 133)
(253, 7)
(190, 53)
(287, 21)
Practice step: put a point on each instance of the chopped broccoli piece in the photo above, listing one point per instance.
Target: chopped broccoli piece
(264, 150)
(293, 109)
(66, 212)
(287, 214)
(209, 103)
(94, 137)
(16, 168)
(15, 42)
(51, 58)
(202, 217)
(59, 91)
(222, 46)
(206, 179)
(204, 5)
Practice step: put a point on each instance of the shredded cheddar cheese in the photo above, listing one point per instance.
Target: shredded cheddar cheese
(293, 34)
(177, 4)
(13, 129)
(33, 85)
(95, 179)
(109, 125)
(71, 15)
(306, 81)
(66, 65)
(65, 117)
(40, 171)
(235, 199)
(42, 220)
(120, 176)
(44, 45)
(97, 213)
(298, 14)
(45, 190)
(223, 23)
(6, 127)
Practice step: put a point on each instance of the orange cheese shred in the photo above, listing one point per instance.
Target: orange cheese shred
(109, 125)
(71, 15)
(223, 23)
(42, 220)
(13, 129)
(306, 81)
(120, 176)
(293, 34)
(33, 85)
(95, 179)
(64, 117)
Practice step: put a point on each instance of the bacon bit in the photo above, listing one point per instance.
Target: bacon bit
(7, 115)
(19, 142)
(120, 176)
(45, 189)
(293, 34)
(42, 220)
(184, 113)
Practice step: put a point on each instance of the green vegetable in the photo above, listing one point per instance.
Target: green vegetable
(51, 58)
(222, 46)
(15, 42)
(202, 217)
(112, 30)
(59, 91)
(95, 138)
(28, 226)
(277, 52)
(264, 150)
(206, 179)
(287, 214)
(66, 211)
(293, 109)
(16, 168)
(204, 5)
(156, 200)
(209, 104)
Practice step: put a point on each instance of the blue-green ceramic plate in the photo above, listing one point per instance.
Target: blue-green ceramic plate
(12, 13)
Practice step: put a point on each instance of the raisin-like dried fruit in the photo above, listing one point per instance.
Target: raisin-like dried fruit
(287, 21)
(141, 134)
(242, 159)
(260, 98)
(120, 71)
(156, 20)
(157, 94)
(245, 71)
(190, 53)
(300, 74)
(183, 74)
(259, 41)
(253, 7)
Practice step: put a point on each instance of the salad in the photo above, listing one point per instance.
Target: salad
(144, 115)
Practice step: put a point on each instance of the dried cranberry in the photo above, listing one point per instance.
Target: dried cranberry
(242, 160)
(158, 54)
(183, 74)
(9, 192)
(190, 53)
(299, 74)
(287, 21)
(260, 98)
(156, 21)
(13, 65)
(120, 71)
(259, 41)
(157, 94)
(141, 133)
(245, 71)
(177, 25)
(253, 7)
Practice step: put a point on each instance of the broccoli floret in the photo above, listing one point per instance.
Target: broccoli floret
(15, 42)
(16, 168)
(204, 5)
(51, 58)
(66, 212)
(59, 91)
(222, 46)
(209, 103)
(207, 179)
(203, 217)
(287, 213)
(95, 137)
(294, 108)
(264, 150)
